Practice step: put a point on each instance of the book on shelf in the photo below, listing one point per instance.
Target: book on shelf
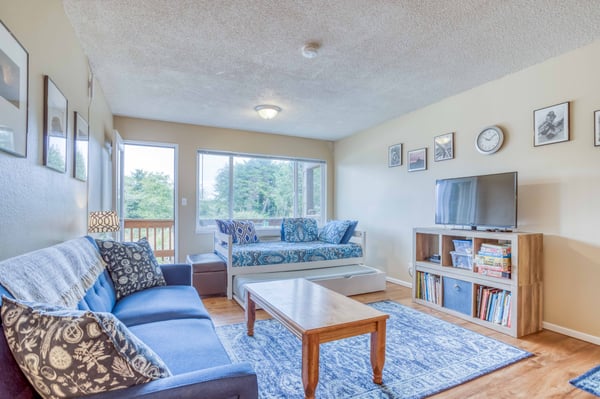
(496, 249)
(492, 260)
(492, 272)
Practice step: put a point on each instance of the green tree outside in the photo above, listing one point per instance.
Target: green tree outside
(148, 195)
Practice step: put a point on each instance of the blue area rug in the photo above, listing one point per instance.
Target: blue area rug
(424, 355)
(589, 382)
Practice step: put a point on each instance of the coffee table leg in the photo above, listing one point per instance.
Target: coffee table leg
(378, 352)
(310, 365)
(250, 314)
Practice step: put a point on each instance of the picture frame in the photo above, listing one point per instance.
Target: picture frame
(81, 147)
(14, 94)
(551, 124)
(597, 128)
(417, 159)
(394, 155)
(55, 127)
(443, 147)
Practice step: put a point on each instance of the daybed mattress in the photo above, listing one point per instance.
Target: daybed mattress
(277, 252)
(367, 279)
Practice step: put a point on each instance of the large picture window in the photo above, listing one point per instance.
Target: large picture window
(258, 188)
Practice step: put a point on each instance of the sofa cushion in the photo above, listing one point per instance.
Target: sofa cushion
(160, 303)
(299, 229)
(101, 297)
(132, 266)
(70, 353)
(185, 344)
(244, 232)
(334, 231)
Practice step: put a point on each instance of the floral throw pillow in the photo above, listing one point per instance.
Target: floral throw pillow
(244, 232)
(132, 266)
(67, 353)
(299, 229)
(334, 231)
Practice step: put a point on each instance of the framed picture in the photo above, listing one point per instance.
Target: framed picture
(443, 147)
(394, 155)
(597, 128)
(81, 144)
(551, 124)
(55, 127)
(14, 96)
(417, 159)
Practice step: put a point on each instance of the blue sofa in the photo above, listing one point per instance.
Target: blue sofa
(171, 320)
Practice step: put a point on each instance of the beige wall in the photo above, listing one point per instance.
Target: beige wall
(39, 206)
(190, 139)
(559, 184)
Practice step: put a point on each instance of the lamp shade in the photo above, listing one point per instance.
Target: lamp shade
(103, 222)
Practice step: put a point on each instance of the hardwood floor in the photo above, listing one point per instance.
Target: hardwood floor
(557, 358)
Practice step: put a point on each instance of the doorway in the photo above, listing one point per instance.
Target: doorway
(149, 191)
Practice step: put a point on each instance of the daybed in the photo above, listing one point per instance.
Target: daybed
(338, 266)
(168, 319)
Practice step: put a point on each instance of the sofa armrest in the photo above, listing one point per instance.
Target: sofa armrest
(177, 273)
(224, 382)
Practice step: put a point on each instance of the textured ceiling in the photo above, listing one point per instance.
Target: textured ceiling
(210, 62)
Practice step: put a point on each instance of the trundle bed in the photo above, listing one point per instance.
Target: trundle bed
(339, 267)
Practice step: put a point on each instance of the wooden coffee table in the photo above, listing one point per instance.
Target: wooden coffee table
(317, 315)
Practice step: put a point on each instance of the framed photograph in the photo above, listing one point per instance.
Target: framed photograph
(417, 159)
(551, 124)
(81, 144)
(55, 127)
(443, 147)
(394, 155)
(597, 128)
(14, 96)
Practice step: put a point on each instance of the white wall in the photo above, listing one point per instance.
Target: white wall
(39, 206)
(559, 184)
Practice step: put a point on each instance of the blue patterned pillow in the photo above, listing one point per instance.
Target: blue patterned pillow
(72, 353)
(225, 226)
(244, 232)
(334, 231)
(132, 266)
(300, 230)
(349, 232)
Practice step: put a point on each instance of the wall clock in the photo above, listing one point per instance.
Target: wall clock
(489, 140)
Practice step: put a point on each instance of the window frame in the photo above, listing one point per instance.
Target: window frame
(296, 184)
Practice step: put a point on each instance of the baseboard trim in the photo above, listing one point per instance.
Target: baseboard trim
(399, 282)
(571, 333)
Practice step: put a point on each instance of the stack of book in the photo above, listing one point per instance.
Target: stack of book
(429, 287)
(493, 260)
(493, 305)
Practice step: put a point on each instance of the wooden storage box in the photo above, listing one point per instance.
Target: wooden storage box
(209, 274)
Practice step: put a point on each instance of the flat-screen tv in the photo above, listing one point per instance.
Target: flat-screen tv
(486, 201)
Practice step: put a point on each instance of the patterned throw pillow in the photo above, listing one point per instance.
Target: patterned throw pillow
(349, 232)
(71, 353)
(334, 231)
(244, 232)
(132, 266)
(226, 227)
(300, 229)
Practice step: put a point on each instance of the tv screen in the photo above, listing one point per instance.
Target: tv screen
(477, 201)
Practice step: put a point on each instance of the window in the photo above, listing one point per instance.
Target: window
(258, 188)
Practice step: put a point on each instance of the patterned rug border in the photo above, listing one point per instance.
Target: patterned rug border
(582, 382)
(383, 390)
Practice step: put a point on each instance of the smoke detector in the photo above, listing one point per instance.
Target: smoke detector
(310, 50)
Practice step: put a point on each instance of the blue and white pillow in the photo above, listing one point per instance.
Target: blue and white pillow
(299, 230)
(349, 232)
(334, 231)
(225, 226)
(73, 353)
(244, 232)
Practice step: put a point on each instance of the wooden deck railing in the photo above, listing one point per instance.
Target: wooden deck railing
(159, 232)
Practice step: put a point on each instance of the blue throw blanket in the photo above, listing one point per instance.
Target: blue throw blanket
(58, 275)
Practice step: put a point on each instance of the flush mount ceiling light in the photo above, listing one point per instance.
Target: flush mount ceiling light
(267, 111)
(310, 50)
